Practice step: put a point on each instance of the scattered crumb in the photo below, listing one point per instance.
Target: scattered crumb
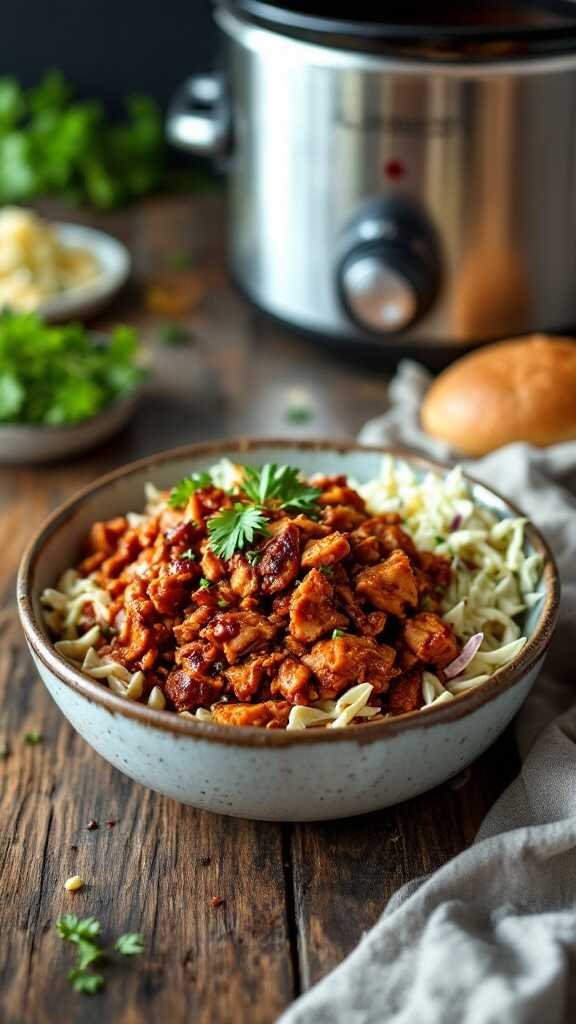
(217, 901)
(205, 861)
(91, 825)
(174, 334)
(110, 824)
(74, 883)
(75, 848)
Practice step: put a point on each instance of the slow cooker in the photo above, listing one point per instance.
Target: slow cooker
(400, 174)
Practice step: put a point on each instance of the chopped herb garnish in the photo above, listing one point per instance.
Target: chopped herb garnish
(299, 414)
(189, 554)
(254, 557)
(85, 934)
(222, 603)
(440, 540)
(33, 738)
(174, 334)
(204, 583)
(186, 487)
(327, 570)
(130, 944)
(179, 261)
(336, 633)
(233, 528)
(281, 484)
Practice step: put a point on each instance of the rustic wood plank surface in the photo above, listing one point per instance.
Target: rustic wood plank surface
(296, 898)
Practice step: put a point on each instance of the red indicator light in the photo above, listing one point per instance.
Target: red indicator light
(394, 169)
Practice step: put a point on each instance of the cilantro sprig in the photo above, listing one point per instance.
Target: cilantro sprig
(84, 934)
(186, 487)
(234, 528)
(57, 375)
(279, 484)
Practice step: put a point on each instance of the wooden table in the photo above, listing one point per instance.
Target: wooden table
(297, 898)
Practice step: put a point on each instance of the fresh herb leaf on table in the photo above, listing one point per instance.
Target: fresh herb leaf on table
(55, 375)
(85, 935)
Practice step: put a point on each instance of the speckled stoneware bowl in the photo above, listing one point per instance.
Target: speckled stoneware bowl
(258, 773)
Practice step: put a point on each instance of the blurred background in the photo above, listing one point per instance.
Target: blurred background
(94, 45)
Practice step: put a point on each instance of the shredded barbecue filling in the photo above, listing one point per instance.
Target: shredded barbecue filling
(317, 603)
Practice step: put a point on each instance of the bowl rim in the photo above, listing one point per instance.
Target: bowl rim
(250, 736)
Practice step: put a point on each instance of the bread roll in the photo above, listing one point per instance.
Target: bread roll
(518, 390)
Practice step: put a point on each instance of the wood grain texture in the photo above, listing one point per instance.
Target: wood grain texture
(296, 899)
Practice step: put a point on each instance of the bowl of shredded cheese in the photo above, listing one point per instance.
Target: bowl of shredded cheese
(60, 271)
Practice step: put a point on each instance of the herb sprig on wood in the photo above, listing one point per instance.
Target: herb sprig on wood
(84, 934)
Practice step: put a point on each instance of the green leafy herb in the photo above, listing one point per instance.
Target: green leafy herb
(204, 584)
(186, 487)
(281, 484)
(56, 375)
(234, 528)
(336, 633)
(254, 557)
(189, 554)
(33, 738)
(174, 334)
(222, 603)
(440, 540)
(179, 261)
(299, 414)
(130, 944)
(53, 143)
(327, 570)
(84, 934)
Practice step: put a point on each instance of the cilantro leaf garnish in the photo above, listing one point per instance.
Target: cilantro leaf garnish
(253, 557)
(72, 928)
(33, 738)
(186, 487)
(337, 633)
(130, 944)
(281, 484)
(234, 528)
(191, 555)
(203, 583)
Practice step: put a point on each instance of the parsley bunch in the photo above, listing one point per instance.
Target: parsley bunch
(85, 935)
(54, 375)
(51, 143)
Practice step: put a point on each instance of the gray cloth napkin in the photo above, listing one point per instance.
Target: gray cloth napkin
(490, 938)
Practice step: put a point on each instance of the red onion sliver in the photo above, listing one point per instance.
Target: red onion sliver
(465, 657)
(456, 523)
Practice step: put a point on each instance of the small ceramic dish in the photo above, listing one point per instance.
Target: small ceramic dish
(87, 299)
(258, 773)
(33, 444)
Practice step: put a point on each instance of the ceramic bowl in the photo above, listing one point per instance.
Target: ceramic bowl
(22, 443)
(87, 299)
(257, 773)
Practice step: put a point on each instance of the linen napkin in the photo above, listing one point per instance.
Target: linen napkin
(490, 938)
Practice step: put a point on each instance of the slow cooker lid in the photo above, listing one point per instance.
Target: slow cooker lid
(475, 29)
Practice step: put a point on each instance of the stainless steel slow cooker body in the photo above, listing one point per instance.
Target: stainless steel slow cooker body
(395, 201)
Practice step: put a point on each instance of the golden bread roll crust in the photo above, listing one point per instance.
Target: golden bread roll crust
(518, 390)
